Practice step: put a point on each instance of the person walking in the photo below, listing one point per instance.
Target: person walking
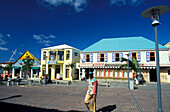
(91, 93)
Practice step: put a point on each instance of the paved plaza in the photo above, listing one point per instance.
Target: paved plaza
(70, 98)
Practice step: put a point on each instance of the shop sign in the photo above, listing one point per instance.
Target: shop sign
(86, 64)
(99, 64)
(52, 62)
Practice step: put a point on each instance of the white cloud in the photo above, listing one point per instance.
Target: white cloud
(8, 35)
(78, 5)
(42, 39)
(20, 53)
(2, 42)
(126, 2)
(3, 49)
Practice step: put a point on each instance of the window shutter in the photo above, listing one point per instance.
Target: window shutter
(84, 57)
(105, 57)
(121, 56)
(138, 57)
(91, 57)
(98, 57)
(147, 57)
(113, 57)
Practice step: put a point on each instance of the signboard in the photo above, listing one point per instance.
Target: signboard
(52, 62)
(99, 64)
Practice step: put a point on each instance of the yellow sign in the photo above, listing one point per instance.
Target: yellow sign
(27, 54)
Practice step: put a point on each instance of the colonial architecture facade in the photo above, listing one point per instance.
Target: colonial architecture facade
(104, 58)
(59, 62)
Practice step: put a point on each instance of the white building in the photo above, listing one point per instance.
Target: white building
(103, 58)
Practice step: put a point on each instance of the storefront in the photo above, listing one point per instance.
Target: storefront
(18, 67)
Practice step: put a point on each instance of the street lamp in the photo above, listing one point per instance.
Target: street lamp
(154, 13)
(128, 69)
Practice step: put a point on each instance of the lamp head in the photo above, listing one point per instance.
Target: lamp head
(154, 13)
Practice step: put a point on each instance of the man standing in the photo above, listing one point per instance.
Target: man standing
(91, 93)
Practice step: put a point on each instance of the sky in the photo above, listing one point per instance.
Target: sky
(35, 24)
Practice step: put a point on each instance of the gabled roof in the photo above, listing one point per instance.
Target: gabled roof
(125, 43)
(32, 57)
(64, 46)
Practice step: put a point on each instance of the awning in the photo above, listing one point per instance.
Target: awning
(35, 67)
(16, 67)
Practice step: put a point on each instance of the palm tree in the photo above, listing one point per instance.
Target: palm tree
(133, 65)
(28, 62)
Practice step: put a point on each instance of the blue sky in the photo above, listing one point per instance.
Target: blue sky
(35, 24)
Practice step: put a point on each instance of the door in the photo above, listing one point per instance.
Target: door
(67, 73)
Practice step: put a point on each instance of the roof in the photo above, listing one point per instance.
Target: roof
(31, 55)
(167, 45)
(7, 63)
(64, 46)
(124, 43)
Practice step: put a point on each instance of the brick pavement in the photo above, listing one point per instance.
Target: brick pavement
(62, 98)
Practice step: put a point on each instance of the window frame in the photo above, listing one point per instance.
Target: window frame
(67, 53)
(88, 57)
(134, 53)
(152, 56)
(102, 57)
(117, 58)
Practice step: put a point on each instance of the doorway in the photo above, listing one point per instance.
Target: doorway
(153, 77)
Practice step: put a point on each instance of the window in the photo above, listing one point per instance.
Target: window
(44, 55)
(117, 57)
(87, 57)
(52, 55)
(152, 56)
(60, 56)
(134, 55)
(168, 72)
(102, 57)
(75, 54)
(68, 55)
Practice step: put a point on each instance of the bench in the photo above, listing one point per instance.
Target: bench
(34, 80)
(107, 84)
(63, 81)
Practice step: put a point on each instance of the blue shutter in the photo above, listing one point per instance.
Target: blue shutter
(138, 57)
(130, 57)
(91, 57)
(105, 57)
(98, 57)
(147, 57)
(121, 56)
(84, 57)
(113, 57)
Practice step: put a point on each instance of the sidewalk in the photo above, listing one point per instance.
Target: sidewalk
(63, 98)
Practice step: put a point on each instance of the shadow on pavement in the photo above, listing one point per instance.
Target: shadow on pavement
(9, 107)
(107, 108)
(16, 96)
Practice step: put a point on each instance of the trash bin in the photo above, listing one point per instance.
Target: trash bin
(131, 84)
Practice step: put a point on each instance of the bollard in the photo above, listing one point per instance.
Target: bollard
(8, 83)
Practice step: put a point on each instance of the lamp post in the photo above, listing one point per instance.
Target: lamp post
(128, 69)
(154, 13)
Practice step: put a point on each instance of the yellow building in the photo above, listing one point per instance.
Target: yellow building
(59, 62)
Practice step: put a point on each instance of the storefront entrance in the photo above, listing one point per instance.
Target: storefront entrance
(153, 77)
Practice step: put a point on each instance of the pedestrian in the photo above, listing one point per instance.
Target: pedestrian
(91, 93)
